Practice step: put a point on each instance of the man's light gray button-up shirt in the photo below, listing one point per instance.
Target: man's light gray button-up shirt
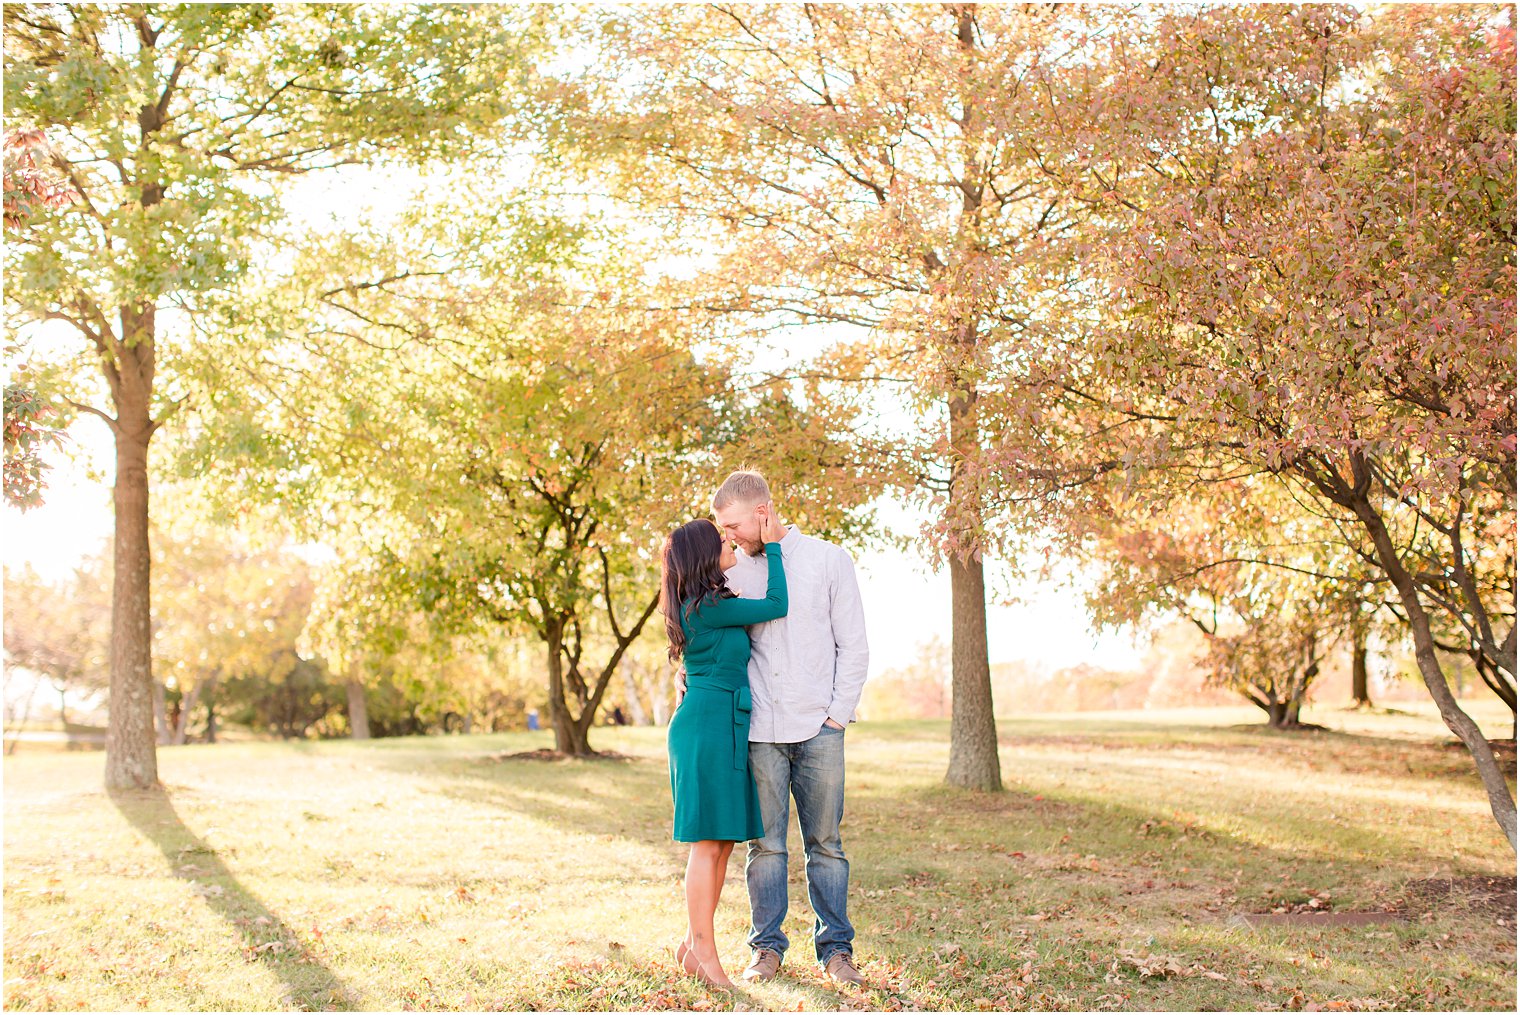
(811, 664)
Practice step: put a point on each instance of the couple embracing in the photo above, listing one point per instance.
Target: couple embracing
(773, 636)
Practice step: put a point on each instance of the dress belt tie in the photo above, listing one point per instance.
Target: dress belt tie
(742, 703)
(741, 709)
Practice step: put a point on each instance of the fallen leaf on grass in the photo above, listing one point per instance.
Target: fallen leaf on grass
(1147, 965)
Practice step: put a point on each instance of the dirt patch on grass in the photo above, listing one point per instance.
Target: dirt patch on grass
(1487, 896)
(545, 754)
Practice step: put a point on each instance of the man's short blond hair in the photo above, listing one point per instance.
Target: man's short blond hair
(744, 487)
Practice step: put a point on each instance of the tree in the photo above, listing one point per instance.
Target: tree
(28, 430)
(571, 476)
(507, 429)
(371, 630)
(172, 124)
(1324, 298)
(1361, 696)
(31, 184)
(875, 168)
(357, 624)
(59, 629)
(226, 608)
(1271, 586)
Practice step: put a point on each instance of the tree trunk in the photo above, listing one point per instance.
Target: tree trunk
(569, 738)
(26, 713)
(210, 694)
(131, 754)
(1501, 803)
(160, 712)
(973, 728)
(572, 733)
(1282, 713)
(973, 731)
(1495, 679)
(1360, 696)
(1286, 717)
(358, 709)
(636, 713)
(187, 704)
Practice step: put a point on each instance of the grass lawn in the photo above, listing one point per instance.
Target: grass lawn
(430, 873)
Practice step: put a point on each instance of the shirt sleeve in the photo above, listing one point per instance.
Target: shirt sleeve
(743, 612)
(847, 616)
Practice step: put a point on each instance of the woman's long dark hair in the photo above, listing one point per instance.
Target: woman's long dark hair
(689, 573)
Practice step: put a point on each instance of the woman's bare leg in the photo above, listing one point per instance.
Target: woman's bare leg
(701, 903)
(684, 951)
(684, 957)
(720, 869)
(719, 874)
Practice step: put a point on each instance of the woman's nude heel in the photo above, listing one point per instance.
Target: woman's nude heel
(706, 978)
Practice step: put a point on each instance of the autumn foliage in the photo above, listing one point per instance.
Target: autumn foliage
(1217, 301)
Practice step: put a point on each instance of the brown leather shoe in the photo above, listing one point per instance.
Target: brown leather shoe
(842, 968)
(762, 967)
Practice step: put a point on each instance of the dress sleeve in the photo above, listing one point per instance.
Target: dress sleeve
(743, 612)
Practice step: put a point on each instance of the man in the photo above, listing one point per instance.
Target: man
(806, 672)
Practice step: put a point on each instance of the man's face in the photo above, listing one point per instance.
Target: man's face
(741, 523)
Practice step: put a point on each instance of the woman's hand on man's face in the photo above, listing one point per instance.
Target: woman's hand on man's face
(771, 529)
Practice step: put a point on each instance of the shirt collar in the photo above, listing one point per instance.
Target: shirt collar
(791, 540)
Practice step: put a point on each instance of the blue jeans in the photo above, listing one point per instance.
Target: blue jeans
(812, 773)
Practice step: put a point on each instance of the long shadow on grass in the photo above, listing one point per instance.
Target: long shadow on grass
(618, 796)
(266, 937)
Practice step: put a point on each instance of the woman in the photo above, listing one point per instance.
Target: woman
(715, 800)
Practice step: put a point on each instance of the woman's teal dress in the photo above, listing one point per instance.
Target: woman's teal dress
(708, 739)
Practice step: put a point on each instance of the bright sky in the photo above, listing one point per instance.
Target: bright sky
(906, 604)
